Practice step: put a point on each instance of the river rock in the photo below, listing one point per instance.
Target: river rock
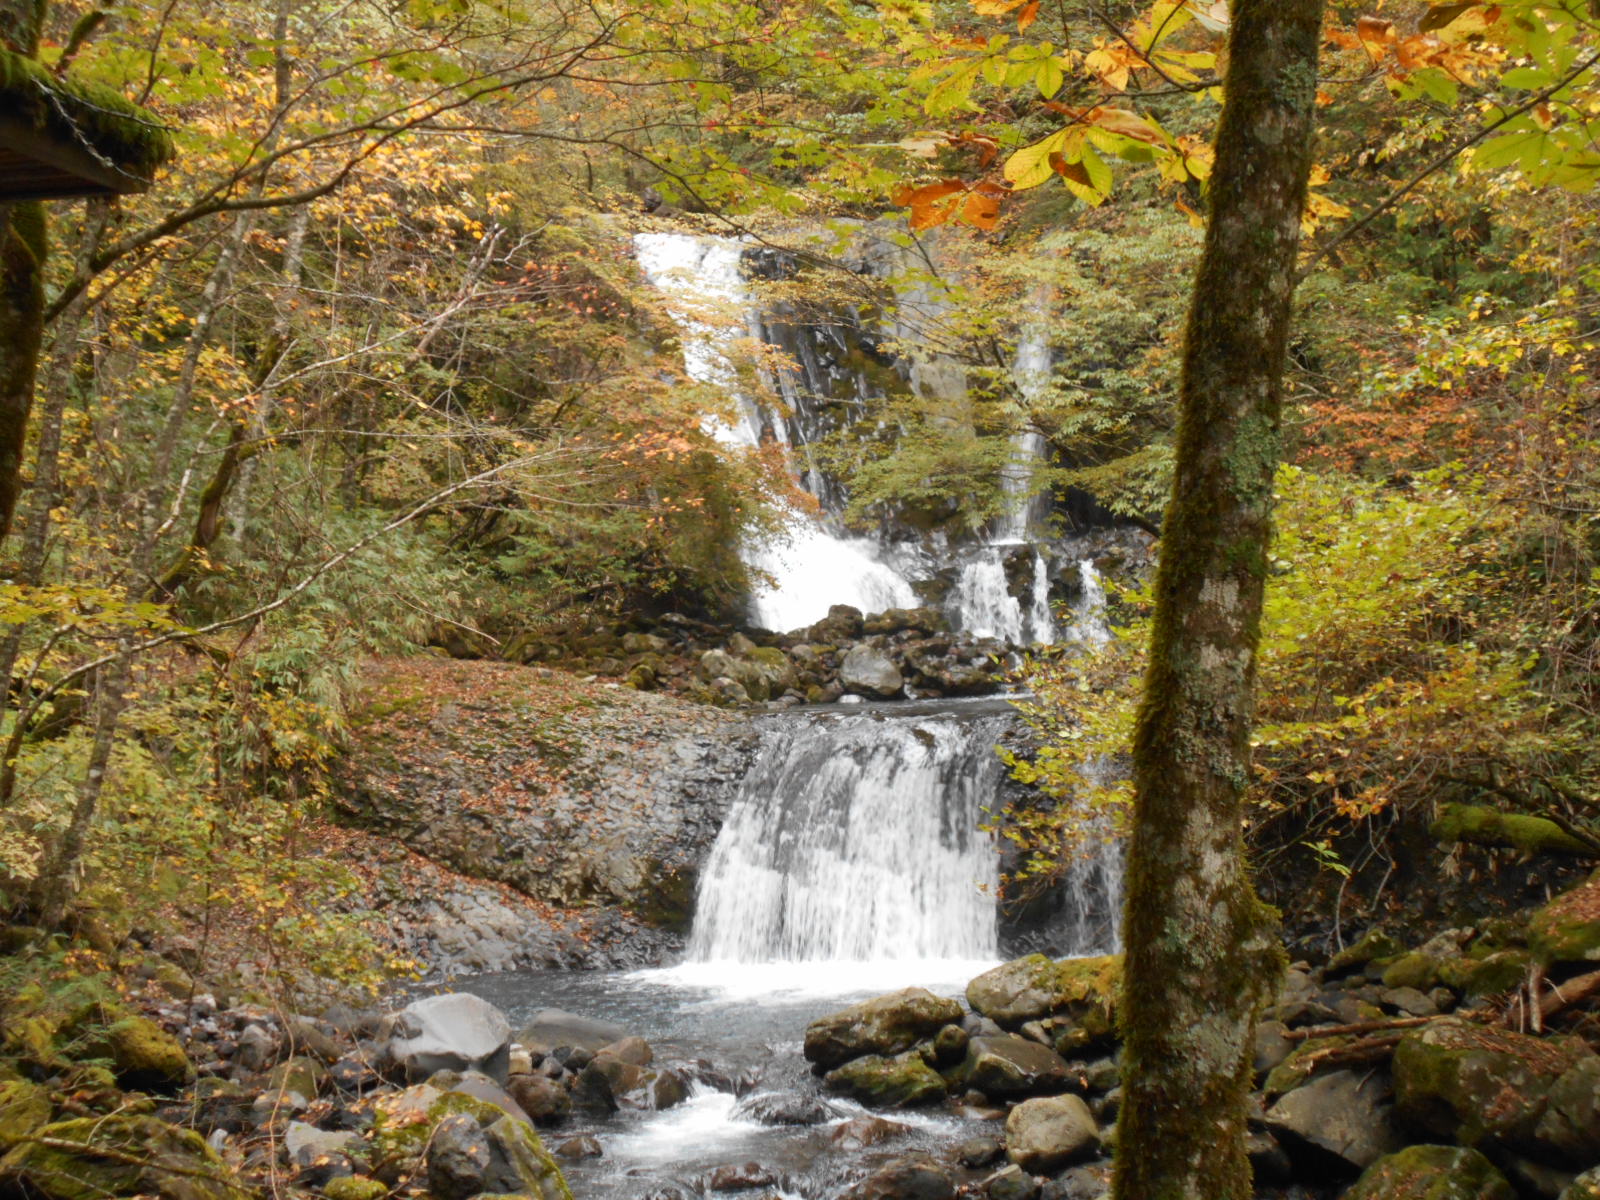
(1477, 1085)
(902, 1081)
(453, 1032)
(304, 1143)
(1008, 1066)
(869, 671)
(545, 1102)
(633, 1050)
(553, 1027)
(457, 1158)
(117, 1155)
(1337, 1121)
(580, 1147)
(912, 1178)
(1050, 1132)
(842, 624)
(881, 1026)
(740, 1177)
(1035, 986)
(520, 1165)
(860, 1132)
(782, 1108)
(1431, 1173)
(979, 1152)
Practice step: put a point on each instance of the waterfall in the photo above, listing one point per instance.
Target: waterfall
(855, 838)
(809, 565)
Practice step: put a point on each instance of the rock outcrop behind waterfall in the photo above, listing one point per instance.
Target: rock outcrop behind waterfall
(594, 801)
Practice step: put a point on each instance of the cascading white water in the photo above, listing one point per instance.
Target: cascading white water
(855, 838)
(809, 566)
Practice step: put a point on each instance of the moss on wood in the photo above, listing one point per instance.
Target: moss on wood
(90, 115)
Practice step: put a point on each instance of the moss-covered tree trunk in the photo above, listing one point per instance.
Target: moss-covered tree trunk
(1201, 950)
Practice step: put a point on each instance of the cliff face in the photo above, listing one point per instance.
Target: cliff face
(571, 794)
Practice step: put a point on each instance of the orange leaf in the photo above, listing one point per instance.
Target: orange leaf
(981, 210)
(1375, 33)
(1028, 15)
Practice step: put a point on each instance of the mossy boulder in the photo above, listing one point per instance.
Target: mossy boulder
(1477, 1085)
(884, 1025)
(1299, 1066)
(24, 1108)
(1415, 970)
(1432, 1173)
(902, 1081)
(1035, 986)
(303, 1076)
(519, 1164)
(1373, 945)
(1567, 930)
(1497, 972)
(145, 1056)
(92, 1158)
(354, 1187)
(1008, 1066)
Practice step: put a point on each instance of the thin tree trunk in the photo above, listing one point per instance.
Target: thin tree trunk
(1201, 950)
(57, 882)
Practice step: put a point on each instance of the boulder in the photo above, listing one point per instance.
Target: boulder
(545, 1102)
(355, 1187)
(1035, 986)
(633, 1050)
(881, 1026)
(1431, 1173)
(89, 1158)
(1050, 1132)
(842, 624)
(1009, 1066)
(1335, 1122)
(520, 1165)
(914, 1178)
(782, 1108)
(552, 1027)
(1375, 943)
(453, 1032)
(305, 1143)
(1480, 1086)
(145, 1056)
(869, 671)
(979, 1152)
(902, 1081)
(457, 1158)
(1567, 930)
(580, 1147)
(1571, 1121)
(1584, 1187)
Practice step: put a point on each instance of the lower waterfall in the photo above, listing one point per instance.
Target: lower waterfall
(855, 838)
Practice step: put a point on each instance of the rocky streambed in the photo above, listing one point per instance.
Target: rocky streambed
(1463, 1068)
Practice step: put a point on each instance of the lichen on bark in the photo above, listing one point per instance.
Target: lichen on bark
(1201, 950)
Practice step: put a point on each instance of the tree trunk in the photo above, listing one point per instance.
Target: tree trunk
(1201, 950)
(24, 244)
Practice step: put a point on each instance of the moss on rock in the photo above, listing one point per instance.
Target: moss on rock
(92, 1158)
(1036, 986)
(903, 1081)
(1432, 1173)
(24, 1108)
(1567, 930)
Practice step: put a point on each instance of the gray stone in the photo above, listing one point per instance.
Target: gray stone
(912, 1178)
(1571, 1121)
(552, 1027)
(580, 1147)
(1050, 1132)
(782, 1108)
(1011, 1183)
(868, 671)
(545, 1102)
(520, 1164)
(1009, 1066)
(1337, 1119)
(457, 1031)
(1410, 1001)
(305, 1142)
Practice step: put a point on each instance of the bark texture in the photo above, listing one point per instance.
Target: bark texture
(1201, 950)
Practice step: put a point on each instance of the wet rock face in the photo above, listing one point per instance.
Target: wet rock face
(1050, 1132)
(514, 776)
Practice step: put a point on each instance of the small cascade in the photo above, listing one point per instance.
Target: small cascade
(810, 565)
(855, 838)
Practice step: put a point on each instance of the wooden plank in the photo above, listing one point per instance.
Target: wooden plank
(37, 166)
